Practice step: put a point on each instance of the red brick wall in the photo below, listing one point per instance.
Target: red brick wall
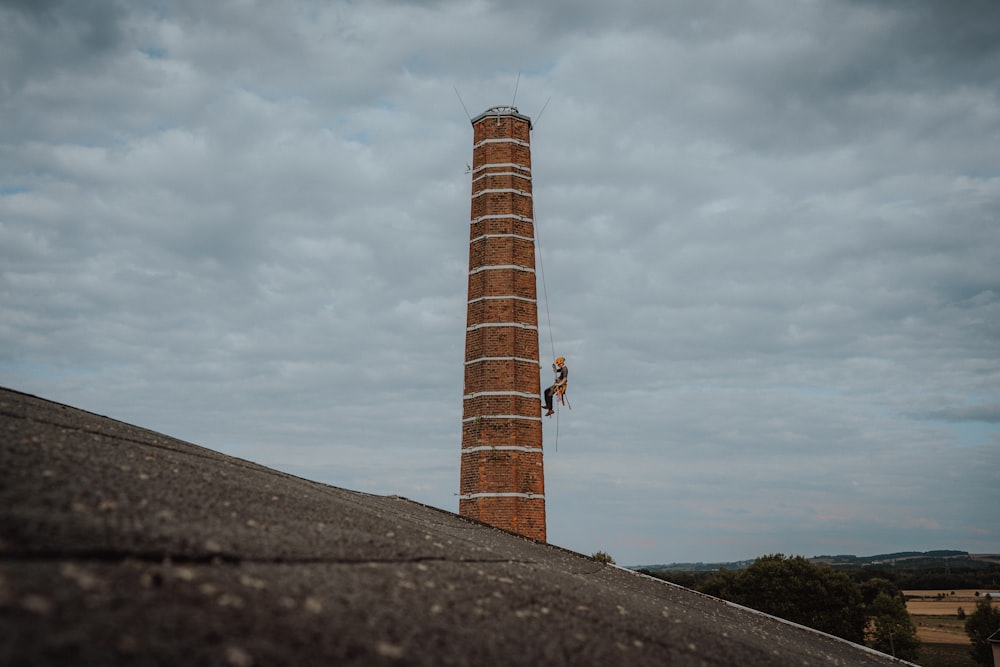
(501, 417)
(500, 343)
(487, 250)
(501, 226)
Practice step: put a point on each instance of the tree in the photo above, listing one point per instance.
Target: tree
(797, 590)
(979, 625)
(891, 629)
(871, 589)
(603, 557)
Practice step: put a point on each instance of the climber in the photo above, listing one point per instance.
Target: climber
(558, 388)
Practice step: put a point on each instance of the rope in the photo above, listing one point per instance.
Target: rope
(557, 430)
(545, 293)
(548, 316)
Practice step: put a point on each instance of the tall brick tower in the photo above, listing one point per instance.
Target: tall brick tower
(503, 481)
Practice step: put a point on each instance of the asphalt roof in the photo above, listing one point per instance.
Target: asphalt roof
(119, 545)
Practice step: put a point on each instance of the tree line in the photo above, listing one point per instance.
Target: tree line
(865, 605)
(871, 613)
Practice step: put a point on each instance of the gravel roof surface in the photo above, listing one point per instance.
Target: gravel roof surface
(119, 545)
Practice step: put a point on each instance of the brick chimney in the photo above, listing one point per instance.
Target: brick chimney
(503, 481)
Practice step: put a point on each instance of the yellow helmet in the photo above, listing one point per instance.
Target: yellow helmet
(560, 360)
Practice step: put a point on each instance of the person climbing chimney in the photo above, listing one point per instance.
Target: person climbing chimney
(558, 388)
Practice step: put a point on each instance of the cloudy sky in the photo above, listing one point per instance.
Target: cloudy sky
(770, 235)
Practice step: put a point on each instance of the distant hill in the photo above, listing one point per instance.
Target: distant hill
(910, 560)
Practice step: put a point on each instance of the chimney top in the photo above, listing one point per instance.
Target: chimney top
(504, 110)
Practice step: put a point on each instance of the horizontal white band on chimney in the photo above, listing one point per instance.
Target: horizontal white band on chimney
(502, 236)
(502, 448)
(519, 142)
(510, 417)
(524, 359)
(473, 496)
(501, 298)
(491, 191)
(503, 216)
(501, 267)
(526, 177)
(502, 165)
(496, 325)
(525, 394)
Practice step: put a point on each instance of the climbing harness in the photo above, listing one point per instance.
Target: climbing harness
(560, 394)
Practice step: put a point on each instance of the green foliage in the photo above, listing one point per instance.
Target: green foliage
(872, 588)
(603, 557)
(891, 629)
(976, 574)
(979, 625)
(914, 570)
(868, 605)
(690, 580)
(797, 590)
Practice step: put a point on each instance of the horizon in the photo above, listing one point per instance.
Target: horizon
(817, 556)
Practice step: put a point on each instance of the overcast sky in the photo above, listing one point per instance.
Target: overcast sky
(769, 230)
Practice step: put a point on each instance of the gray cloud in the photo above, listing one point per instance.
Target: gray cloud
(989, 413)
(49, 37)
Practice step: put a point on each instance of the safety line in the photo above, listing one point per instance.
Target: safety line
(545, 294)
(548, 317)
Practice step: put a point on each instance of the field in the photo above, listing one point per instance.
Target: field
(942, 634)
(936, 603)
